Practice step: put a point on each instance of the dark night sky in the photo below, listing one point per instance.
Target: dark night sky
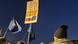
(52, 14)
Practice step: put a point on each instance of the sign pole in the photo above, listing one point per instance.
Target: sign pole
(29, 30)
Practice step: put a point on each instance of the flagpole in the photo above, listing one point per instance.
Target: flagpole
(6, 30)
(5, 33)
(29, 30)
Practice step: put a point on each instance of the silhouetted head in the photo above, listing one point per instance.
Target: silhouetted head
(22, 43)
(29, 0)
(64, 27)
(61, 32)
(3, 41)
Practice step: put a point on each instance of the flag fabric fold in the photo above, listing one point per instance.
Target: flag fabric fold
(32, 34)
(14, 26)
